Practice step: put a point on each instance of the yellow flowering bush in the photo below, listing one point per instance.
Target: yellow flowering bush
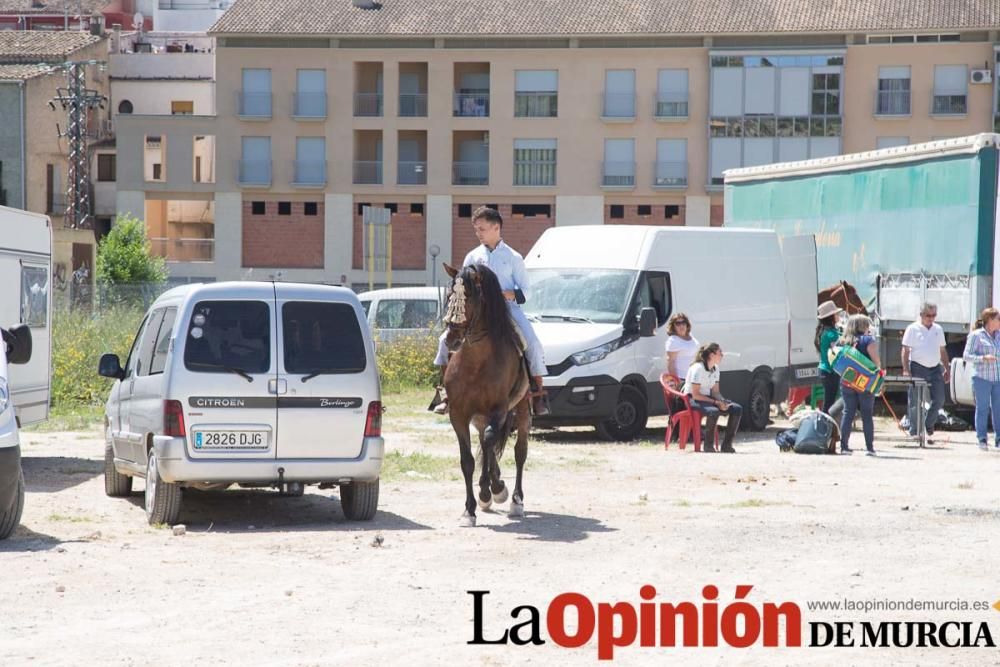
(407, 362)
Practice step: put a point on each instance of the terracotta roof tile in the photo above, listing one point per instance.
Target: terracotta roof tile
(35, 46)
(22, 72)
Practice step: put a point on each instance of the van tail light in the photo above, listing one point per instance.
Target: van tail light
(373, 424)
(173, 419)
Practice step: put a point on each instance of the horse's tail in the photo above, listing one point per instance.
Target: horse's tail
(505, 430)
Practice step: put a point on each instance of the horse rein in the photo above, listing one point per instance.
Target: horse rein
(847, 301)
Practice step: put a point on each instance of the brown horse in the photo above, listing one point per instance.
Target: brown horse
(845, 296)
(487, 385)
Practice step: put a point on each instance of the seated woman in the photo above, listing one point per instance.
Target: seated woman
(702, 384)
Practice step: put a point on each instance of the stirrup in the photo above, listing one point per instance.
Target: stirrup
(440, 396)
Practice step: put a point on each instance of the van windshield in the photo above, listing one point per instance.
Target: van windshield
(595, 295)
(226, 335)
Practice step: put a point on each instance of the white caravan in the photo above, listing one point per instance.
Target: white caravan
(600, 297)
(25, 319)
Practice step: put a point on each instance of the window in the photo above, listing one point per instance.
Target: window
(157, 172)
(891, 142)
(310, 93)
(310, 161)
(671, 211)
(310, 208)
(465, 210)
(229, 334)
(416, 209)
(893, 91)
(255, 99)
(599, 295)
(181, 107)
(671, 163)
(133, 353)
(950, 89)
(125, 107)
(826, 94)
(34, 296)
(284, 208)
(644, 209)
(366, 306)
(619, 93)
(531, 210)
(154, 155)
(672, 93)
(653, 291)
(322, 338)
(204, 158)
(617, 211)
(392, 206)
(619, 162)
(106, 167)
(534, 162)
(162, 345)
(361, 207)
(536, 93)
(405, 314)
(255, 167)
(257, 207)
(145, 356)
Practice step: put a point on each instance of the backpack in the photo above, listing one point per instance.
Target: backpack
(815, 433)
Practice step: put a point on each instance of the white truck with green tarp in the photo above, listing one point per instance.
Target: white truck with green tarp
(903, 225)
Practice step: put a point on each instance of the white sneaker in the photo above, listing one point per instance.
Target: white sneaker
(983, 446)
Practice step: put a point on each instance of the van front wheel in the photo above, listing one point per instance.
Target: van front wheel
(629, 418)
(359, 500)
(758, 411)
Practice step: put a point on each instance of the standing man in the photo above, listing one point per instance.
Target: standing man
(925, 356)
(508, 265)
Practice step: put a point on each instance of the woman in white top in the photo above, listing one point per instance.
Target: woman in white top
(681, 346)
(702, 384)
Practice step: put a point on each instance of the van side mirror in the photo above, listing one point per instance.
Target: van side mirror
(111, 367)
(647, 322)
(18, 342)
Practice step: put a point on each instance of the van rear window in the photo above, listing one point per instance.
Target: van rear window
(322, 338)
(224, 335)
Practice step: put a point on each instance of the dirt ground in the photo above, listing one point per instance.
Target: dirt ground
(264, 579)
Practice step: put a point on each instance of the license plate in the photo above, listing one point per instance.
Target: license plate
(802, 373)
(230, 440)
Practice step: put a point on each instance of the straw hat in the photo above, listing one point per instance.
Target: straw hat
(826, 309)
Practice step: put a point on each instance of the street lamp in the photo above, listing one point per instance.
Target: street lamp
(434, 250)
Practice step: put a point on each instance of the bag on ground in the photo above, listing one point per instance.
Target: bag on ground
(815, 433)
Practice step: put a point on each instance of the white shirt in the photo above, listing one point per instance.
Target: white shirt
(705, 379)
(685, 349)
(505, 262)
(925, 343)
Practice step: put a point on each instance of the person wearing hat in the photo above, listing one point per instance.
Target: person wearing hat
(826, 336)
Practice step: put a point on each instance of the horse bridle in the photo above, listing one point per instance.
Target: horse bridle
(847, 300)
(464, 328)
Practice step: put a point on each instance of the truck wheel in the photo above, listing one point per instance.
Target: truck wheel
(757, 413)
(11, 516)
(359, 500)
(116, 484)
(629, 418)
(163, 499)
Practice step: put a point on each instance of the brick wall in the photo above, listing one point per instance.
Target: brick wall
(409, 238)
(519, 233)
(657, 216)
(716, 215)
(282, 241)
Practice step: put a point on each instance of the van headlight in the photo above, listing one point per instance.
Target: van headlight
(596, 353)
(4, 396)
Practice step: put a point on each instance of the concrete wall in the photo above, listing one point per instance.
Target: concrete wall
(11, 180)
(154, 97)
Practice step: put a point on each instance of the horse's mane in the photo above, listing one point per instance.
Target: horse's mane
(496, 319)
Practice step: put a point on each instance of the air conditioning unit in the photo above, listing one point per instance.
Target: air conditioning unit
(980, 76)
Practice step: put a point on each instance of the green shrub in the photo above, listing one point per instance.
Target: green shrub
(78, 341)
(408, 362)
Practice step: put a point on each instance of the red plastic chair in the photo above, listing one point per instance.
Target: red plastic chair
(686, 421)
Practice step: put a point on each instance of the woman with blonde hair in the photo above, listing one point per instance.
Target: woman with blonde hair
(983, 349)
(856, 335)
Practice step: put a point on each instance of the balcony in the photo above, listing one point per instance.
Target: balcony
(949, 104)
(670, 106)
(470, 173)
(309, 106)
(309, 173)
(367, 172)
(183, 249)
(618, 175)
(367, 105)
(670, 174)
(413, 105)
(411, 173)
(618, 107)
(536, 105)
(472, 105)
(535, 172)
(254, 173)
(253, 106)
(892, 103)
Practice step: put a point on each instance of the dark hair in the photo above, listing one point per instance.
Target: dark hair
(828, 322)
(675, 319)
(985, 316)
(488, 214)
(499, 326)
(704, 352)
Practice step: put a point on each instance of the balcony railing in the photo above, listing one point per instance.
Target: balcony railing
(670, 174)
(309, 173)
(618, 106)
(670, 105)
(470, 173)
(472, 105)
(949, 104)
(617, 174)
(535, 172)
(892, 103)
(183, 250)
(253, 105)
(254, 172)
(411, 173)
(367, 172)
(309, 105)
(413, 105)
(367, 104)
(536, 105)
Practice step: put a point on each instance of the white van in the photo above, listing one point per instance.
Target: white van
(600, 297)
(25, 359)
(403, 311)
(257, 383)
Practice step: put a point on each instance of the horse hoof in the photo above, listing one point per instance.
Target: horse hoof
(485, 504)
(500, 498)
(516, 509)
(467, 521)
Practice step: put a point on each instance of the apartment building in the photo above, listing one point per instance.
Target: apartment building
(558, 113)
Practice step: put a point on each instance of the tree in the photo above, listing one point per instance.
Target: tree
(123, 256)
